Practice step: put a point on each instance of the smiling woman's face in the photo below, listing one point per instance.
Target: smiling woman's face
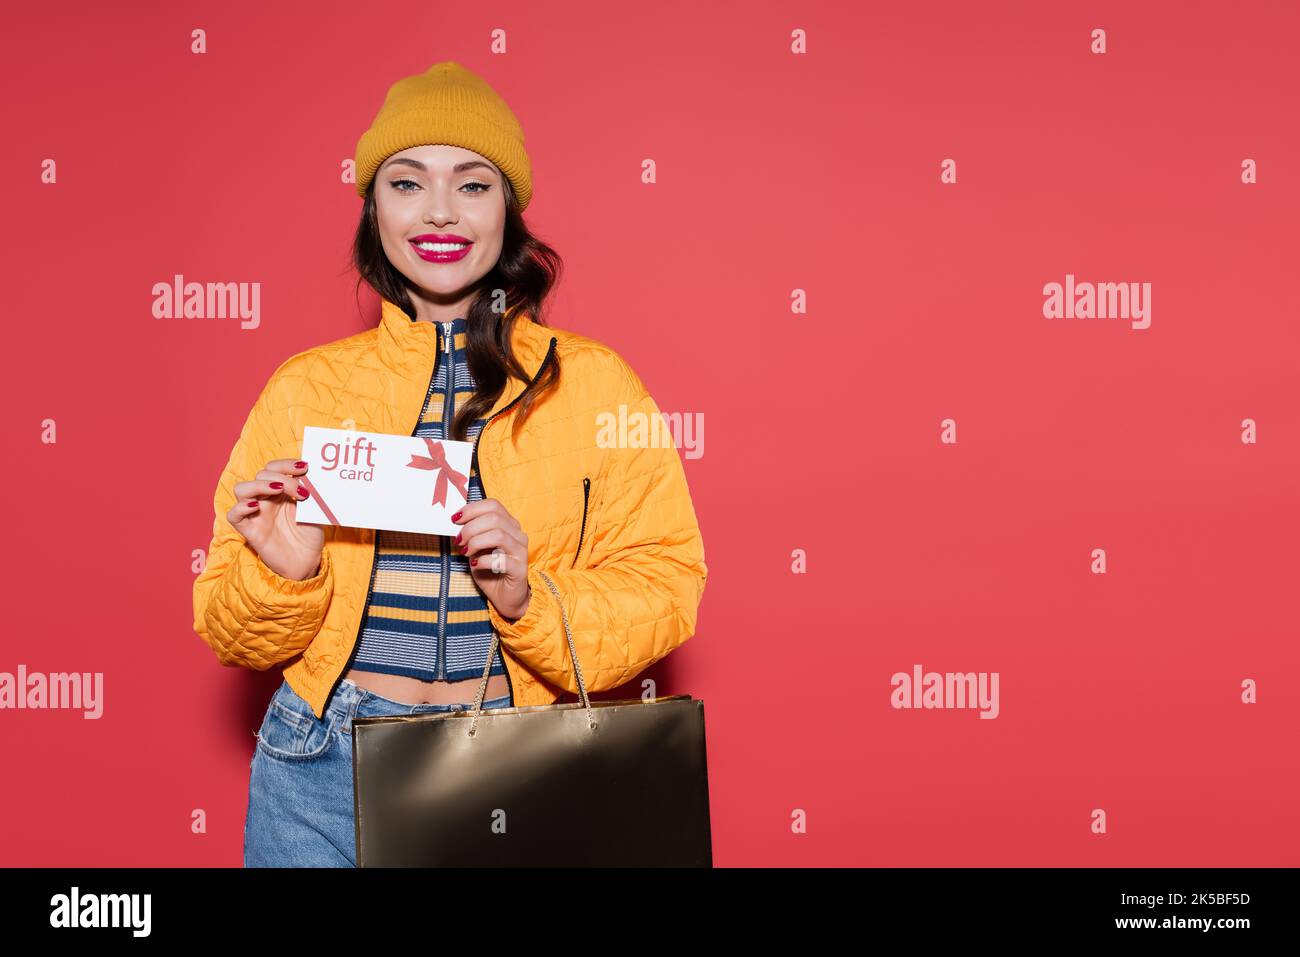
(441, 212)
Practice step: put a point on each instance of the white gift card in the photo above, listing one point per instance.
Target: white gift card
(406, 483)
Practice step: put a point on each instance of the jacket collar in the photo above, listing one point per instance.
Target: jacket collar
(407, 346)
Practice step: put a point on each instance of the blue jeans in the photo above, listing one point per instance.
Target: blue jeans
(301, 806)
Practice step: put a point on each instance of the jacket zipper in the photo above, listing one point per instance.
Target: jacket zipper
(586, 492)
(374, 554)
(443, 542)
(550, 352)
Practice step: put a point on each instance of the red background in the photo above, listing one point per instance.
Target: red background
(776, 172)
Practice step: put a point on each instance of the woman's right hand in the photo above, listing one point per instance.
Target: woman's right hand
(265, 513)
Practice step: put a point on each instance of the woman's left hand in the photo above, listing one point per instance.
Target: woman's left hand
(497, 547)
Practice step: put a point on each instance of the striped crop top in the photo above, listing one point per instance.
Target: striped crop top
(425, 617)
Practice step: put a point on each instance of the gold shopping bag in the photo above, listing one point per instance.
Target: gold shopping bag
(608, 784)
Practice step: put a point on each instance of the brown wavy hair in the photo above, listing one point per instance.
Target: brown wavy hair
(525, 274)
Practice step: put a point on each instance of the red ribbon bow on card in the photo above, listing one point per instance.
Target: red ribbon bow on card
(437, 459)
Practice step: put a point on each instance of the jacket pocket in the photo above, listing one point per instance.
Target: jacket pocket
(586, 507)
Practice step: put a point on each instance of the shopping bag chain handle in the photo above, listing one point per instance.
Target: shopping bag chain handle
(573, 652)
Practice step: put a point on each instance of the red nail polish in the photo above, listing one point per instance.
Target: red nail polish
(303, 493)
(277, 485)
(456, 517)
(457, 538)
(253, 503)
(473, 561)
(300, 465)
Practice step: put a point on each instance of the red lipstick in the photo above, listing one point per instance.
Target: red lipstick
(441, 247)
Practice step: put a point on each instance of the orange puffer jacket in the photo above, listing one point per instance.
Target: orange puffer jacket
(611, 523)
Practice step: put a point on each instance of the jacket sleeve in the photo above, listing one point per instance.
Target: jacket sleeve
(639, 598)
(250, 616)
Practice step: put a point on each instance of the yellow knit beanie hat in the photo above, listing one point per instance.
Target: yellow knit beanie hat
(446, 104)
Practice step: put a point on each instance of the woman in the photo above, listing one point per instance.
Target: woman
(384, 623)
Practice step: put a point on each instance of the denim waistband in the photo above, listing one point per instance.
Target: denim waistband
(350, 700)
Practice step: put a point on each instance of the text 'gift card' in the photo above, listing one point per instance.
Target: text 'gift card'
(406, 483)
